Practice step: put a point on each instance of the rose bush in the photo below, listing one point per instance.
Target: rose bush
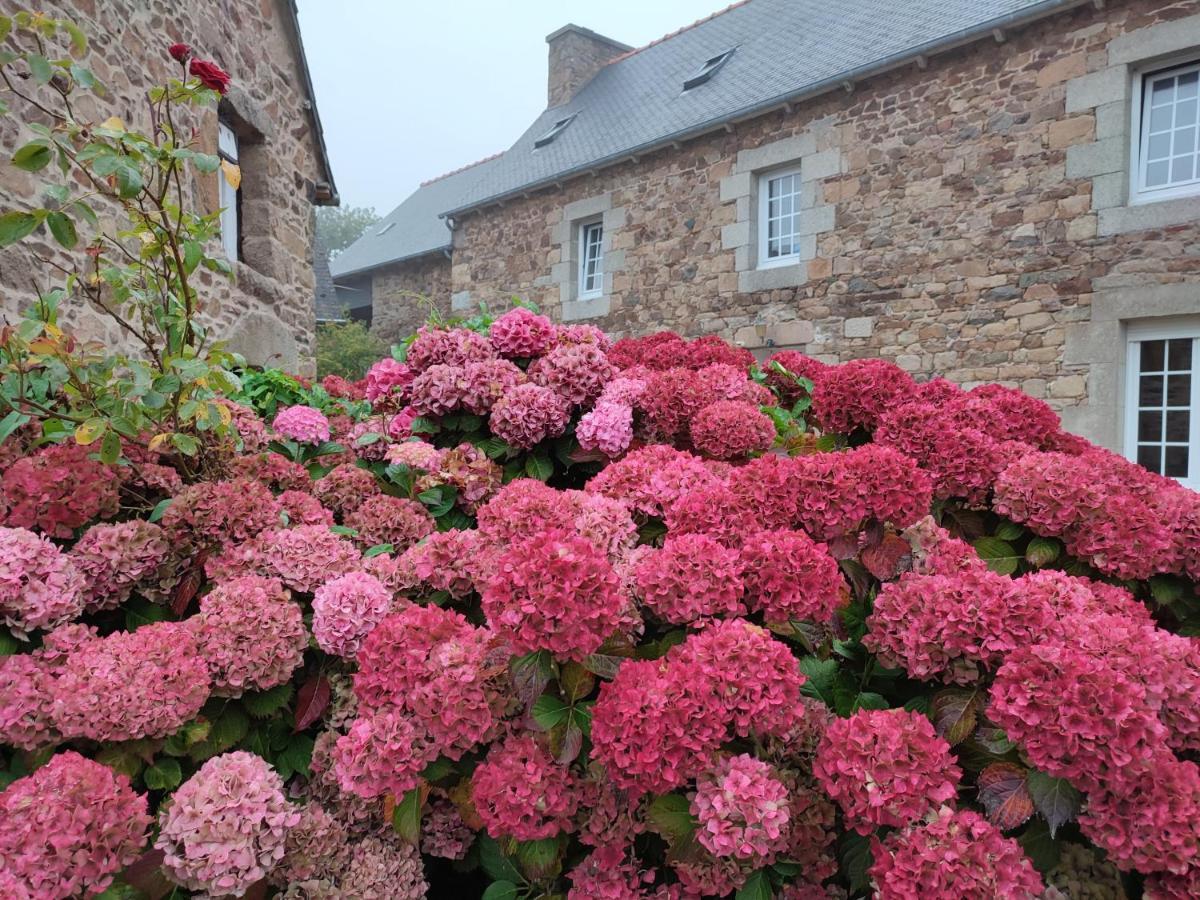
(528, 613)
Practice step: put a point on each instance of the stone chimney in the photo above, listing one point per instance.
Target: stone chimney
(576, 54)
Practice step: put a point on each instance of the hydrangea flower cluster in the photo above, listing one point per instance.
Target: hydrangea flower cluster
(388, 381)
(225, 828)
(40, 586)
(383, 519)
(528, 414)
(251, 635)
(522, 333)
(346, 609)
(57, 489)
(691, 577)
(68, 828)
(113, 559)
(306, 556)
(731, 429)
(521, 792)
(302, 424)
(885, 767)
(742, 808)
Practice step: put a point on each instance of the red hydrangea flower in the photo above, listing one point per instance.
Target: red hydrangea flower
(742, 808)
(797, 364)
(438, 390)
(302, 508)
(856, 394)
(885, 767)
(445, 561)
(58, 489)
(788, 576)
(466, 468)
(521, 792)
(957, 855)
(384, 519)
(275, 471)
(554, 592)
(731, 429)
(691, 577)
(382, 753)
(528, 414)
(68, 828)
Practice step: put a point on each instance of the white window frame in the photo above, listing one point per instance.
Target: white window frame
(1140, 136)
(1135, 334)
(595, 289)
(227, 147)
(764, 187)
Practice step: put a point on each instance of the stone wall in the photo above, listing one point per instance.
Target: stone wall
(962, 242)
(403, 295)
(267, 313)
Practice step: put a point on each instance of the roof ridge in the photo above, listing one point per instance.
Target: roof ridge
(478, 162)
(677, 32)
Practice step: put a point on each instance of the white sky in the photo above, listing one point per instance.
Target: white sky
(410, 89)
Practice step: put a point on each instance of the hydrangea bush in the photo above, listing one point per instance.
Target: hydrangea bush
(527, 613)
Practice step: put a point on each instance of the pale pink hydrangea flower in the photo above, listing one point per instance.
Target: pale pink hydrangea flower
(303, 424)
(40, 586)
(345, 609)
(226, 827)
(307, 556)
(113, 559)
(608, 428)
(742, 808)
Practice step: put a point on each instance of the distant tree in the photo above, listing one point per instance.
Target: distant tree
(340, 226)
(347, 349)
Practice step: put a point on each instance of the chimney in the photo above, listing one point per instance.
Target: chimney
(576, 54)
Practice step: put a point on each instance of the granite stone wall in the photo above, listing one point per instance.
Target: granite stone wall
(267, 312)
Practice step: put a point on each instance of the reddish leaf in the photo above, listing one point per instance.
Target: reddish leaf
(1004, 793)
(954, 713)
(312, 701)
(844, 546)
(568, 744)
(889, 558)
(257, 891)
(189, 585)
(147, 876)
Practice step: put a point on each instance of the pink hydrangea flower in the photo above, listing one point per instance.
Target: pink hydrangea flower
(608, 428)
(453, 347)
(225, 828)
(57, 489)
(26, 702)
(731, 429)
(445, 561)
(520, 791)
(652, 479)
(68, 828)
(384, 519)
(742, 808)
(345, 609)
(131, 684)
(957, 855)
(521, 334)
(275, 471)
(855, 394)
(691, 577)
(113, 559)
(302, 508)
(439, 390)
(251, 635)
(220, 512)
(302, 424)
(576, 372)
(789, 576)
(528, 414)
(467, 469)
(345, 487)
(555, 592)
(382, 753)
(382, 867)
(40, 586)
(443, 832)
(390, 380)
(483, 383)
(306, 556)
(885, 767)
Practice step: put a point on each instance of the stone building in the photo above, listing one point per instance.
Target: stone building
(268, 122)
(988, 190)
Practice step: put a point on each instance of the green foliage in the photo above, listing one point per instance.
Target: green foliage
(347, 349)
(140, 273)
(340, 226)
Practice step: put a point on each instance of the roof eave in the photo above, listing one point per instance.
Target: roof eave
(968, 36)
(325, 190)
(389, 262)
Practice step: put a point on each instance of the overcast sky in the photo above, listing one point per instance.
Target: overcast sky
(410, 89)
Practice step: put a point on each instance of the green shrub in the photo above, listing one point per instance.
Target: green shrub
(347, 349)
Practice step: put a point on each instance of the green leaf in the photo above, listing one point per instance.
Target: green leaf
(539, 860)
(8, 644)
(139, 612)
(11, 423)
(378, 549)
(1009, 531)
(78, 38)
(110, 448)
(192, 254)
(164, 775)
(500, 890)
(757, 887)
(669, 816)
(1055, 798)
(549, 711)
(185, 443)
(495, 863)
(344, 530)
(229, 727)
(869, 700)
(438, 769)
(954, 713)
(16, 225)
(1041, 551)
(1039, 845)
(854, 854)
(1166, 589)
(33, 156)
(422, 425)
(998, 554)
(206, 163)
(262, 704)
(63, 229)
(295, 757)
(160, 508)
(406, 817)
(821, 678)
(539, 466)
(40, 68)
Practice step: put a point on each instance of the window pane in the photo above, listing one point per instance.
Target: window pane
(1181, 353)
(1161, 118)
(1186, 85)
(1176, 462)
(1182, 168)
(1159, 147)
(1158, 173)
(1150, 457)
(1153, 353)
(1185, 114)
(1178, 426)
(1150, 425)
(1150, 391)
(1164, 90)
(1179, 390)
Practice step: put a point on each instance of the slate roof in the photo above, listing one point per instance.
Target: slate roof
(784, 50)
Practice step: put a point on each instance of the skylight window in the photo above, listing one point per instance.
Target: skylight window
(554, 132)
(708, 70)
(384, 229)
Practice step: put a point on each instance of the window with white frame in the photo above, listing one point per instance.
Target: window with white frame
(1162, 431)
(591, 276)
(1167, 151)
(779, 218)
(227, 146)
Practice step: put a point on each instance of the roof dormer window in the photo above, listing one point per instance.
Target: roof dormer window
(708, 70)
(384, 229)
(559, 127)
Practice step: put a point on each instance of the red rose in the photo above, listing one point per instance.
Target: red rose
(180, 52)
(210, 74)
